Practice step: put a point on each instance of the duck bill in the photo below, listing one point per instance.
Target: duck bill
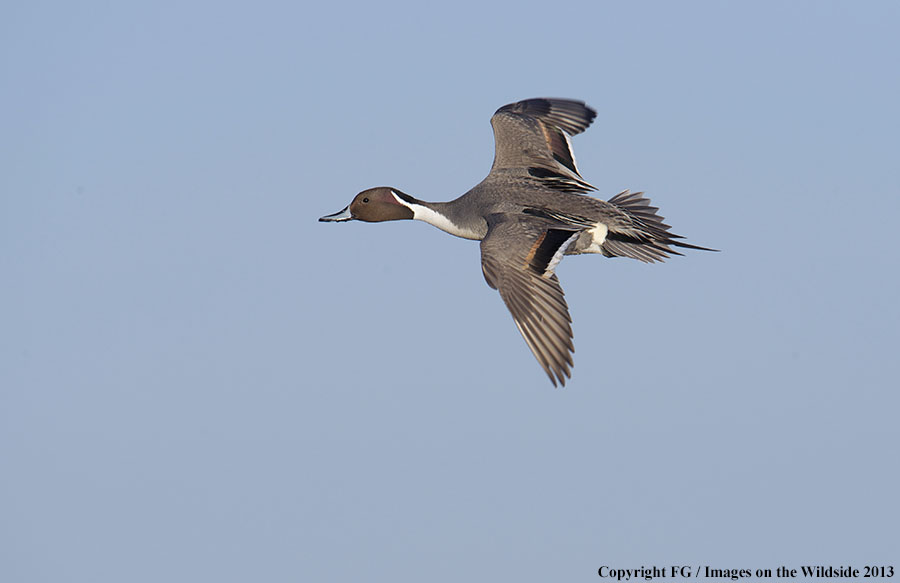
(343, 215)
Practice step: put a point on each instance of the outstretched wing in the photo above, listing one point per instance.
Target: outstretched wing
(518, 257)
(532, 136)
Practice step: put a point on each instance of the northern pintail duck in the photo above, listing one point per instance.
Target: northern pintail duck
(528, 212)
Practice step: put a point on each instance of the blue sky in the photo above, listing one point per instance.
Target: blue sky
(200, 382)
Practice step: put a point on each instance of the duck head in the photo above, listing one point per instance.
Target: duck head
(374, 205)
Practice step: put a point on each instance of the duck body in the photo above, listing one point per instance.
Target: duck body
(530, 211)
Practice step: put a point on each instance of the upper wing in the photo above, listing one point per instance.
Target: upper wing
(518, 257)
(533, 136)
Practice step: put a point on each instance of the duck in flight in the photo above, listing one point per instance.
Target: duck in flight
(530, 211)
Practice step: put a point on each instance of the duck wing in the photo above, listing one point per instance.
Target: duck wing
(518, 258)
(532, 136)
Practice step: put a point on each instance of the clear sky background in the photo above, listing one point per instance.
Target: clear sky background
(200, 382)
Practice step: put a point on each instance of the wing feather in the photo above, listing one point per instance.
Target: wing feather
(534, 297)
(532, 137)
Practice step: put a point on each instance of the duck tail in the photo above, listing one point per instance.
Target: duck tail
(645, 236)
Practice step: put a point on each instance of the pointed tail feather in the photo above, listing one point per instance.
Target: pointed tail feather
(645, 236)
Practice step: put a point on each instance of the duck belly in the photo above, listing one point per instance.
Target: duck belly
(589, 241)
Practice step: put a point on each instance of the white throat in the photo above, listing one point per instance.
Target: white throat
(432, 217)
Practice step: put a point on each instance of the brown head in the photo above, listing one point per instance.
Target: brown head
(374, 205)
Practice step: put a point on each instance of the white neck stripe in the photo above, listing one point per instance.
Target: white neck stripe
(432, 217)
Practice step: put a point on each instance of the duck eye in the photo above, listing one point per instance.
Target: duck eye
(366, 199)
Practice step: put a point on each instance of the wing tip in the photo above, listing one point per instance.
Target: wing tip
(571, 115)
